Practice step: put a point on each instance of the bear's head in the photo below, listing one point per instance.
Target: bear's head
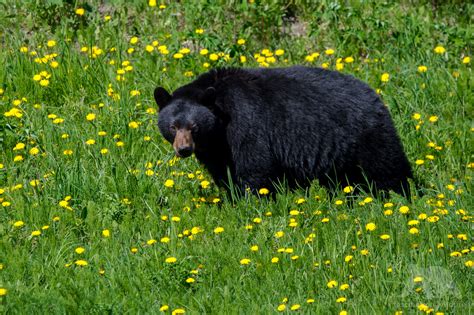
(186, 119)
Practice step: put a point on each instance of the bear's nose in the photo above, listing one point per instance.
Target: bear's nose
(185, 151)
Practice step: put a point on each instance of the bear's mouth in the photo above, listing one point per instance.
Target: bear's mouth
(183, 143)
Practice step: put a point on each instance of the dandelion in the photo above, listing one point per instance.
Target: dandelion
(106, 233)
(3, 291)
(80, 11)
(331, 284)
(341, 300)
(419, 162)
(169, 183)
(275, 260)
(90, 117)
(190, 280)
(348, 189)
(295, 307)
(466, 60)
(439, 50)
(414, 230)
(385, 77)
(433, 119)
(81, 263)
(279, 52)
(404, 210)
(349, 60)
(18, 224)
(205, 184)
(152, 3)
(245, 261)
(384, 237)
(218, 230)
(241, 41)
(344, 287)
(36, 233)
(34, 151)
(370, 226)
(263, 191)
(281, 307)
(422, 69)
(80, 250)
(133, 125)
(329, 51)
(51, 43)
(170, 260)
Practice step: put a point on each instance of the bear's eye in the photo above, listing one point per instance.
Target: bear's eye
(173, 127)
(194, 127)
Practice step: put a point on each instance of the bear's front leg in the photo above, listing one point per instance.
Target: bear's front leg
(255, 171)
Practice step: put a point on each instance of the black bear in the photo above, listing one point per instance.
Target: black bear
(263, 126)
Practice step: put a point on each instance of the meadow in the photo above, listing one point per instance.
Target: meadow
(98, 216)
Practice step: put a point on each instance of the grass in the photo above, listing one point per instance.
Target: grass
(128, 204)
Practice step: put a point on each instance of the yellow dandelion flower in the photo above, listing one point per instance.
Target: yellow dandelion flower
(404, 210)
(433, 119)
(80, 250)
(3, 291)
(81, 263)
(385, 237)
(385, 77)
(90, 117)
(329, 51)
(281, 307)
(263, 191)
(170, 260)
(245, 261)
(295, 307)
(34, 151)
(348, 189)
(419, 162)
(439, 50)
(18, 224)
(106, 233)
(422, 69)
(370, 226)
(241, 41)
(218, 230)
(133, 125)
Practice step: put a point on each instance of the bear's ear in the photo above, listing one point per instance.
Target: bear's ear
(208, 98)
(162, 97)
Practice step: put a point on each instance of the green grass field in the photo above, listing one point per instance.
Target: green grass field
(98, 216)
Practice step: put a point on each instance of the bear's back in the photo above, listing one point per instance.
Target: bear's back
(298, 111)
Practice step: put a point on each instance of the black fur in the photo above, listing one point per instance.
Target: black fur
(294, 124)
